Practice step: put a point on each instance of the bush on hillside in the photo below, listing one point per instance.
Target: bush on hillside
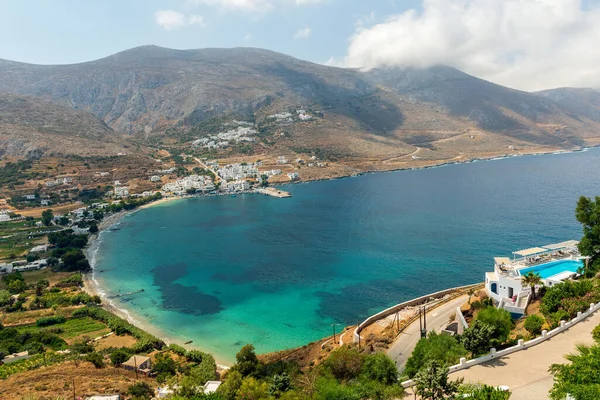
(47, 321)
(534, 324)
(500, 319)
(436, 347)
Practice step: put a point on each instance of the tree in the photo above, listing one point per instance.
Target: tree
(432, 382)
(5, 297)
(247, 362)
(164, 366)
(40, 286)
(229, 388)
(580, 377)
(47, 217)
(534, 324)
(500, 319)
(16, 287)
(252, 389)
(195, 356)
(140, 390)
(63, 221)
(477, 338)
(98, 215)
(119, 356)
(531, 279)
(379, 367)
(264, 180)
(281, 384)
(435, 347)
(93, 228)
(15, 276)
(96, 359)
(588, 214)
(74, 260)
(344, 364)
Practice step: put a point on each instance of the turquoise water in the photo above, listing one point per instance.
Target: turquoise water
(552, 268)
(225, 271)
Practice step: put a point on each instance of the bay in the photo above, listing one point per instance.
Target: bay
(226, 271)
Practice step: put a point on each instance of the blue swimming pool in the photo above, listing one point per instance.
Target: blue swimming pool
(552, 268)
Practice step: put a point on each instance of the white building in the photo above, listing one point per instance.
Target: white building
(281, 160)
(554, 263)
(293, 176)
(4, 217)
(155, 178)
(211, 386)
(6, 268)
(121, 191)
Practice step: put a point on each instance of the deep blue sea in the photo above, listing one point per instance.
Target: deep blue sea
(225, 271)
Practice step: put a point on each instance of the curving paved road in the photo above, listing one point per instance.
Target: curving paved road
(526, 371)
(437, 319)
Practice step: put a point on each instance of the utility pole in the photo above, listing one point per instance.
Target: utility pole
(333, 326)
(423, 321)
(136, 368)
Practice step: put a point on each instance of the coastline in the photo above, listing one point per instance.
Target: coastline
(94, 287)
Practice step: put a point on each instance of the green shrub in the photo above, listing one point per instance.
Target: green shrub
(119, 356)
(179, 350)
(569, 294)
(140, 390)
(443, 348)
(47, 321)
(596, 334)
(534, 324)
(500, 319)
(344, 363)
(95, 358)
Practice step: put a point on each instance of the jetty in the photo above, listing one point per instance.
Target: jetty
(116, 296)
(270, 191)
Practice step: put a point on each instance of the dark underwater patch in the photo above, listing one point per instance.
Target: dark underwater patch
(180, 298)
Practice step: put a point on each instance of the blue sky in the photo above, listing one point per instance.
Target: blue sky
(67, 31)
(524, 44)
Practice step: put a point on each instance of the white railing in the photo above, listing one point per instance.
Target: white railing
(521, 345)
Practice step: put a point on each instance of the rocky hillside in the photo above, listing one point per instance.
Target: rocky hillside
(31, 127)
(581, 102)
(370, 117)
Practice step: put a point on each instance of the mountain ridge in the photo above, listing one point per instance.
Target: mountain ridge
(162, 95)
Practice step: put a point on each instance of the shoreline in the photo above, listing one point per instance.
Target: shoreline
(93, 287)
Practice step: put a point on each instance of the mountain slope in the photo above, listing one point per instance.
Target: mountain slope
(31, 127)
(392, 116)
(583, 102)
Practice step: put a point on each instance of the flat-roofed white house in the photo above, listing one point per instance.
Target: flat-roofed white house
(554, 263)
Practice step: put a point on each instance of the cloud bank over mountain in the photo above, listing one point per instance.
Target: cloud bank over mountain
(523, 44)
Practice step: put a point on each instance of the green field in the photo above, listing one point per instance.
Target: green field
(73, 328)
(16, 237)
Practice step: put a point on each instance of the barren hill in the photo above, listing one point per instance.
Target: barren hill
(32, 127)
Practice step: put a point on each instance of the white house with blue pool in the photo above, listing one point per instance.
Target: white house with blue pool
(554, 263)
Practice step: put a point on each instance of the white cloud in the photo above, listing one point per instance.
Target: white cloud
(259, 6)
(244, 5)
(519, 43)
(169, 19)
(303, 33)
